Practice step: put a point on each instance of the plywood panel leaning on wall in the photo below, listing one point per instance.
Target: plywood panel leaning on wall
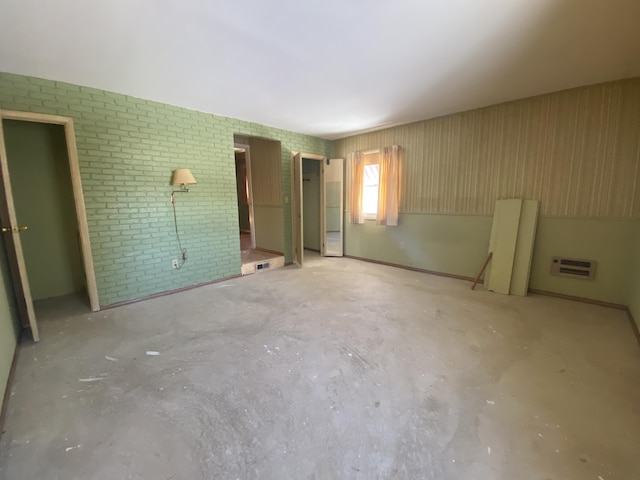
(504, 236)
(524, 248)
(512, 238)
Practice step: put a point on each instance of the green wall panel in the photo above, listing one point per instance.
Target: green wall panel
(458, 245)
(454, 244)
(609, 242)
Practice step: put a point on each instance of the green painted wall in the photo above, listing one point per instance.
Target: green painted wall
(43, 197)
(127, 149)
(609, 242)
(455, 244)
(8, 322)
(458, 245)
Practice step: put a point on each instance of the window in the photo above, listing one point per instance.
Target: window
(374, 185)
(370, 190)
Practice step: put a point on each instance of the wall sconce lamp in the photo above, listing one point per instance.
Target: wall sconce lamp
(181, 177)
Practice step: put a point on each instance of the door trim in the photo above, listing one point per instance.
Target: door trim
(76, 182)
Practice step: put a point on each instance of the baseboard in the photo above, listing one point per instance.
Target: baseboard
(579, 299)
(414, 269)
(531, 290)
(7, 392)
(618, 306)
(167, 292)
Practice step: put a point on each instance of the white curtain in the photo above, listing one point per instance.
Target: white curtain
(355, 176)
(389, 185)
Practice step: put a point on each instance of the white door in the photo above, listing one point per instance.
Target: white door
(333, 208)
(11, 233)
(296, 201)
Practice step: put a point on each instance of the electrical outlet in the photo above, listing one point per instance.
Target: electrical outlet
(174, 263)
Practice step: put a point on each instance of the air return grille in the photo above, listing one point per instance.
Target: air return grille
(572, 267)
(262, 266)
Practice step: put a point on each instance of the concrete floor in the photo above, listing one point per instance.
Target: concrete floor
(339, 370)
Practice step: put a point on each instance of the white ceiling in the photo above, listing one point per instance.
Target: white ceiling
(323, 67)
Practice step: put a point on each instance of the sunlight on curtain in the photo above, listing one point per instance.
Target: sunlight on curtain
(355, 176)
(389, 186)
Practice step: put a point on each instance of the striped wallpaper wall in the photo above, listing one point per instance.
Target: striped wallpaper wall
(577, 151)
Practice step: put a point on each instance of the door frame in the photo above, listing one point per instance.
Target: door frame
(247, 160)
(76, 182)
(297, 204)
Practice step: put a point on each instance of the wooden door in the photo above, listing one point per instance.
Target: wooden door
(11, 234)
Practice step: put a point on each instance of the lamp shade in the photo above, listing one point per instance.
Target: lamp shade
(183, 176)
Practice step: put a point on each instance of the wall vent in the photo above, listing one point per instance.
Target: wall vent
(262, 266)
(573, 267)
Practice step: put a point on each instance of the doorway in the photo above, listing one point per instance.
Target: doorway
(259, 199)
(244, 196)
(311, 205)
(43, 219)
(322, 232)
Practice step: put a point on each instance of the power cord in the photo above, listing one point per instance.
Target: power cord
(183, 251)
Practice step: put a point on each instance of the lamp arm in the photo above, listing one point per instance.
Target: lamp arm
(173, 193)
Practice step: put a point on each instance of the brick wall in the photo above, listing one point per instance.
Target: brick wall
(127, 149)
